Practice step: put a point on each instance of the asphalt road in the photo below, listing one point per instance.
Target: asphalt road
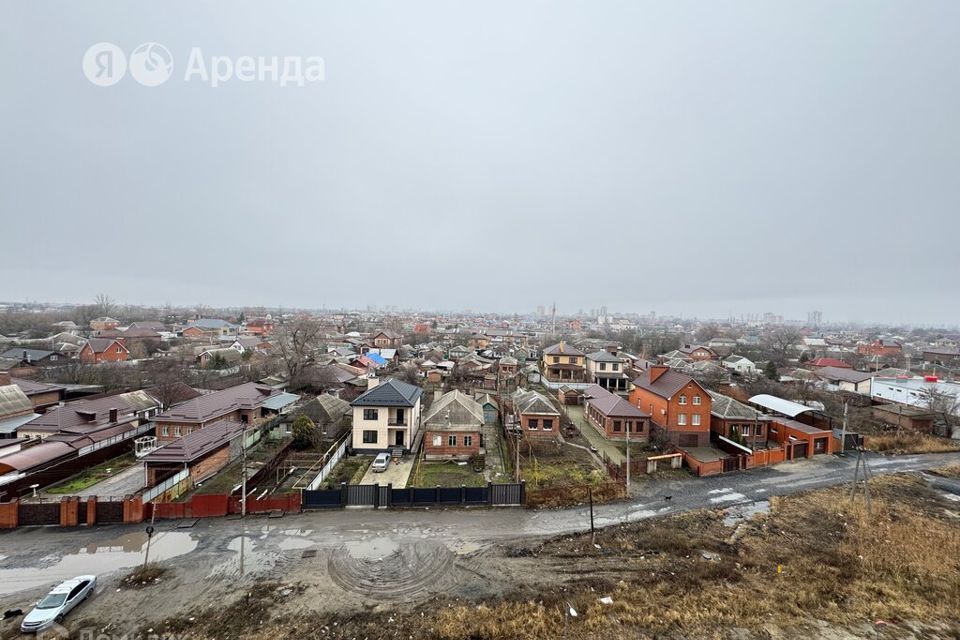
(32, 553)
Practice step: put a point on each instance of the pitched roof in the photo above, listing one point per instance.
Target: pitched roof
(211, 323)
(389, 393)
(602, 356)
(727, 408)
(99, 345)
(454, 409)
(19, 353)
(829, 362)
(667, 385)
(846, 375)
(13, 401)
(562, 349)
(610, 404)
(533, 402)
(197, 443)
(212, 405)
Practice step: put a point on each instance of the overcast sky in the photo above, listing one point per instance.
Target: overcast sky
(696, 158)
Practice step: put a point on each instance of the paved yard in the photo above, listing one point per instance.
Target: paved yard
(587, 430)
(123, 483)
(396, 474)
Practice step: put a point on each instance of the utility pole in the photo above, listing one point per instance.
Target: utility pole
(843, 431)
(243, 464)
(629, 427)
(593, 532)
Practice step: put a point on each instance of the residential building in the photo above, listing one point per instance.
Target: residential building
(243, 403)
(104, 323)
(453, 428)
(838, 379)
(829, 362)
(676, 403)
(882, 348)
(737, 421)
(535, 415)
(34, 357)
(606, 369)
(740, 365)
(203, 452)
(613, 416)
(563, 363)
(100, 350)
(386, 339)
(386, 416)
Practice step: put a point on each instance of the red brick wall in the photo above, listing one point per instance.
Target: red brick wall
(539, 432)
(9, 512)
(210, 465)
(664, 412)
(446, 451)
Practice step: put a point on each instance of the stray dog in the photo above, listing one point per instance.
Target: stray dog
(667, 497)
(12, 613)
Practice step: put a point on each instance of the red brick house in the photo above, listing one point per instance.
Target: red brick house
(259, 327)
(829, 362)
(882, 348)
(242, 403)
(698, 352)
(386, 339)
(98, 350)
(203, 453)
(536, 416)
(675, 402)
(613, 416)
(453, 428)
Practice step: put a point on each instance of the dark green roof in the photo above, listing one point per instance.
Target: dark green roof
(389, 393)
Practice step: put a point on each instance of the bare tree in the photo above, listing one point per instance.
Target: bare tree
(409, 374)
(943, 405)
(296, 342)
(103, 304)
(780, 340)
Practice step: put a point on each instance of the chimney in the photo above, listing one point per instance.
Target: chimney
(372, 381)
(113, 415)
(5, 378)
(612, 349)
(436, 394)
(26, 356)
(562, 344)
(656, 371)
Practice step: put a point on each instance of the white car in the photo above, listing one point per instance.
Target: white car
(58, 603)
(381, 462)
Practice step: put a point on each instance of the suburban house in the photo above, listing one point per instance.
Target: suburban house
(491, 408)
(15, 410)
(675, 402)
(737, 421)
(203, 453)
(839, 379)
(212, 328)
(41, 394)
(882, 348)
(509, 368)
(243, 403)
(536, 416)
(605, 368)
(802, 430)
(104, 323)
(386, 339)
(740, 365)
(223, 356)
(386, 416)
(613, 416)
(259, 327)
(829, 362)
(84, 416)
(564, 363)
(947, 356)
(698, 352)
(34, 357)
(453, 428)
(99, 350)
(328, 413)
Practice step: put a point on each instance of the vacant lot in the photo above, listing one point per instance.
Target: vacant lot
(910, 442)
(446, 474)
(813, 566)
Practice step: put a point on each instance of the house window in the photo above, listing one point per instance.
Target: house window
(532, 424)
(682, 400)
(746, 429)
(119, 349)
(451, 441)
(437, 440)
(468, 441)
(164, 431)
(682, 419)
(573, 360)
(615, 366)
(547, 424)
(603, 366)
(370, 437)
(696, 419)
(176, 431)
(370, 414)
(556, 360)
(616, 425)
(696, 400)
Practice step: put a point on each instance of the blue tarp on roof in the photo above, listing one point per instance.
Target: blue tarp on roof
(376, 358)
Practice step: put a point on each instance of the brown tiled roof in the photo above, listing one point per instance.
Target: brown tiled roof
(207, 407)
(99, 345)
(562, 348)
(82, 412)
(667, 385)
(197, 443)
(610, 404)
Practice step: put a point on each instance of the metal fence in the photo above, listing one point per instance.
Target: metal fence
(334, 458)
(383, 496)
(164, 486)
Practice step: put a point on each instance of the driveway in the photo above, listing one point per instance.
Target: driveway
(597, 441)
(124, 483)
(396, 474)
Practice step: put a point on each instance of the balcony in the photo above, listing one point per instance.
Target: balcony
(394, 423)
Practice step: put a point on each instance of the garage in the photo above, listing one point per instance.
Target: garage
(800, 449)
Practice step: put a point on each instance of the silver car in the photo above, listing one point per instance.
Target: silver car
(58, 603)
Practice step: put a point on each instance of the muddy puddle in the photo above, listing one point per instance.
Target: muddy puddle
(96, 558)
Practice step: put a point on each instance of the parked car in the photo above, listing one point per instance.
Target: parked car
(58, 603)
(381, 462)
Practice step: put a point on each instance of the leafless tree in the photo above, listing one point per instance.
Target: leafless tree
(945, 406)
(296, 342)
(780, 341)
(409, 374)
(103, 304)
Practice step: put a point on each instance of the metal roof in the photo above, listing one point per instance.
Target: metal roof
(10, 425)
(390, 393)
(454, 409)
(13, 401)
(279, 401)
(779, 405)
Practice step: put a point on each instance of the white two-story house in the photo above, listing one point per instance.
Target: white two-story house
(386, 417)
